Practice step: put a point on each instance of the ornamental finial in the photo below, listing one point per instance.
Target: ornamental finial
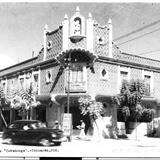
(109, 21)
(77, 9)
(46, 27)
(89, 15)
(65, 16)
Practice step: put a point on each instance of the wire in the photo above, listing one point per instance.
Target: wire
(138, 30)
(139, 36)
(148, 52)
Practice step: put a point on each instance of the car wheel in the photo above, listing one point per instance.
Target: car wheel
(44, 142)
(57, 143)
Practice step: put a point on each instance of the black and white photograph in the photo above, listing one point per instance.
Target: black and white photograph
(79, 80)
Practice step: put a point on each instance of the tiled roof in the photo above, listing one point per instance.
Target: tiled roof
(131, 58)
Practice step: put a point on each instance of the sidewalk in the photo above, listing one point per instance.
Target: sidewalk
(142, 141)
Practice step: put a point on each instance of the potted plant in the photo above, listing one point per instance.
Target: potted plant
(129, 100)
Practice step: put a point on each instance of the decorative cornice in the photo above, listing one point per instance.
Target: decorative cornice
(133, 55)
(15, 65)
(128, 64)
(39, 64)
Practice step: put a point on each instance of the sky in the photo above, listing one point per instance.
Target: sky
(136, 26)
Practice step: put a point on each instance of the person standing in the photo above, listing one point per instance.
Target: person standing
(56, 125)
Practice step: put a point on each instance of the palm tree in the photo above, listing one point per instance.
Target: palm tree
(24, 100)
(130, 98)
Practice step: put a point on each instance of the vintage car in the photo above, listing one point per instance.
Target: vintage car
(31, 132)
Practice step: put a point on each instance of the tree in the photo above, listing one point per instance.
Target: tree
(147, 114)
(91, 107)
(23, 100)
(129, 99)
(95, 111)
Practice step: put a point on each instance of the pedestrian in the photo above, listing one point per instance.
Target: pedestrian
(56, 125)
(87, 124)
(82, 128)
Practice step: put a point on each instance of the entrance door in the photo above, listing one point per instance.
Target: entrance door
(76, 115)
(41, 114)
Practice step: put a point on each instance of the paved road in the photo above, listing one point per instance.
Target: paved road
(144, 147)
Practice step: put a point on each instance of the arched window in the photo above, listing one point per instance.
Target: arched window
(77, 26)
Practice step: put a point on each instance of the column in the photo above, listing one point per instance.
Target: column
(90, 33)
(65, 30)
(110, 37)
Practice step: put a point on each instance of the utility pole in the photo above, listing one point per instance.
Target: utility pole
(68, 92)
(67, 119)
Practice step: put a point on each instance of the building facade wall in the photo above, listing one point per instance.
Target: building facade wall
(55, 40)
(52, 114)
(136, 73)
(102, 78)
(157, 85)
(20, 66)
(101, 40)
(56, 83)
(98, 85)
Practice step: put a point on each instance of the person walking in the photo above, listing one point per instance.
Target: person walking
(82, 128)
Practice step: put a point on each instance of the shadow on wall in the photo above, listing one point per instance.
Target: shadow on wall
(57, 78)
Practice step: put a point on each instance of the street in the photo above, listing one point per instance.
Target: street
(144, 147)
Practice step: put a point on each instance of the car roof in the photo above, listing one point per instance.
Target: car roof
(26, 121)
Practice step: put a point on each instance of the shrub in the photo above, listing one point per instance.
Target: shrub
(147, 115)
